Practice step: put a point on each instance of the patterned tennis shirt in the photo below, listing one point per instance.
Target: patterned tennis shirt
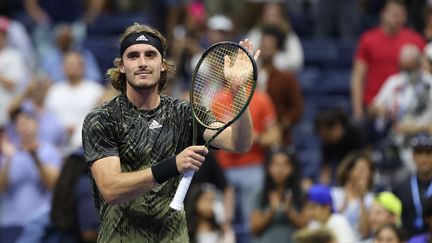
(140, 139)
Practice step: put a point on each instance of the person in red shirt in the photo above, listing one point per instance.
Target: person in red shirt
(245, 171)
(377, 53)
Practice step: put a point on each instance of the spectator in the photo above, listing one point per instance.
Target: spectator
(354, 197)
(377, 55)
(338, 137)
(19, 39)
(28, 173)
(52, 60)
(390, 234)
(427, 217)
(212, 173)
(277, 212)
(32, 99)
(73, 217)
(65, 99)
(245, 171)
(320, 204)
(404, 101)
(321, 235)
(385, 210)
(289, 53)
(414, 190)
(202, 224)
(12, 72)
(282, 87)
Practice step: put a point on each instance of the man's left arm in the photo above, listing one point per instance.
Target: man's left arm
(235, 138)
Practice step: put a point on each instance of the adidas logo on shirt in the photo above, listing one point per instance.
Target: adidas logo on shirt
(141, 38)
(154, 124)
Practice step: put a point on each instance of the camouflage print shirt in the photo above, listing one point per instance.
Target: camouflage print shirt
(140, 139)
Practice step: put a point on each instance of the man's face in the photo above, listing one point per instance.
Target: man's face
(394, 16)
(142, 64)
(73, 65)
(423, 159)
(268, 47)
(318, 212)
(379, 216)
(26, 126)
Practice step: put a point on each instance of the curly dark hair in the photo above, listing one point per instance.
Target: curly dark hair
(118, 79)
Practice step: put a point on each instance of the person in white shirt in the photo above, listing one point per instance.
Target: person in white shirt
(405, 101)
(71, 100)
(13, 72)
(320, 206)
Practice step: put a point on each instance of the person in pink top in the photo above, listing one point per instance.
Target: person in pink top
(377, 53)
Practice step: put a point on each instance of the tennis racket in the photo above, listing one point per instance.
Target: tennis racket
(223, 84)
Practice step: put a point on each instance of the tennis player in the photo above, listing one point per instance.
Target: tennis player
(139, 143)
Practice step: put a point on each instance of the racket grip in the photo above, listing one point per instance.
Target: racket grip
(177, 202)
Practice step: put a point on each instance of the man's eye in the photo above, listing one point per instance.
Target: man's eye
(150, 54)
(133, 55)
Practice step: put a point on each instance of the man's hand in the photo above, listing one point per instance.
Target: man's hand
(191, 158)
(241, 70)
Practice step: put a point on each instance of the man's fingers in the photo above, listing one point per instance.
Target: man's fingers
(198, 157)
(202, 150)
(257, 54)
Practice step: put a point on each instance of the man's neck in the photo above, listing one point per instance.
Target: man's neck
(143, 99)
(424, 177)
(389, 30)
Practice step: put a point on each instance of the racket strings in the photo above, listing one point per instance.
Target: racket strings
(212, 92)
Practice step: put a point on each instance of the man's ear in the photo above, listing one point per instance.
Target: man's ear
(121, 67)
(163, 66)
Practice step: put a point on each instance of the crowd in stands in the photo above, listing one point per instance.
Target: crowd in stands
(342, 117)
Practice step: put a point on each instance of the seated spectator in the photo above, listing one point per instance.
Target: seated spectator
(277, 211)
(338, 138)
(28, 173)
(289, 55)
(322, 213)
(415, 190)
(405, 101)
(71, 100)
(245, 172)
(427, 217)
(19, 39)
(282, 86)
(202, 222)
(13, 72)
(354, 196)
(52, 61)
(390, 234)
(73, 217)
(386, 209)
(212, 173)
(321, 235)
(33, 99)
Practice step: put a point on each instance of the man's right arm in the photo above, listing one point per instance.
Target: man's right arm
(357, 79)
(118, 187)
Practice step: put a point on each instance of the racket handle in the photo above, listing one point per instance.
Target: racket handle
(177, 202)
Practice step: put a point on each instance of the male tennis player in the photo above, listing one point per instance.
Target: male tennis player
(138, 144)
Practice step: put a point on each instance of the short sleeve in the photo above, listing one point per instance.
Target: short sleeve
(98, 136)
(361, 52)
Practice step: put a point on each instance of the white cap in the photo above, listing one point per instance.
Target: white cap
(220, 22)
